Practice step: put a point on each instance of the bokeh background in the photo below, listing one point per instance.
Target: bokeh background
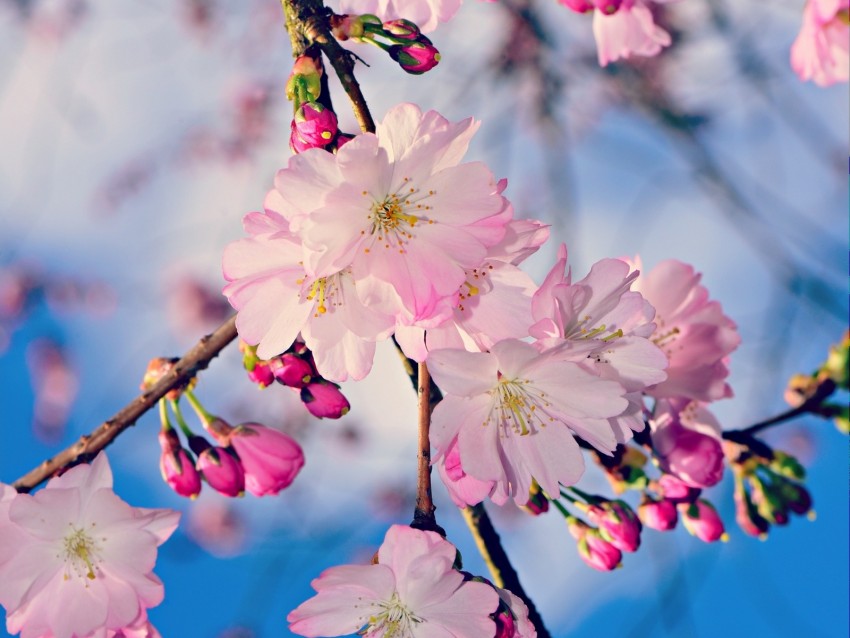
(134, 135)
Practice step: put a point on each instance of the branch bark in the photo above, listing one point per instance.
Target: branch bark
(87, 447)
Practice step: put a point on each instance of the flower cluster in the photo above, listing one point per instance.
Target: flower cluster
(296, 369)
(414, 589)
(401, 39)
(313, 125)
(76, 561)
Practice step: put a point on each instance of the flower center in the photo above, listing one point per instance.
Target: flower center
(326, 292)
(394, 621)
(391, 220)
(81, 553)
(516, 406)
(583, 330)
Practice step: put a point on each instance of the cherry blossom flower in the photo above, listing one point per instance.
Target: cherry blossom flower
(494, 301)
(397, 211)
(821, 52)
(413, 590)
(629, 31)
(276, 300)
(601, 317)
(514, 410)
(427, 14)
(693, 332)
(687, 442)
(77, 559)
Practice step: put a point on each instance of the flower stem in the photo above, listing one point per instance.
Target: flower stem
(181, 422)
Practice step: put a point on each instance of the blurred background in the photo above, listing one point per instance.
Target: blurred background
(135, 135)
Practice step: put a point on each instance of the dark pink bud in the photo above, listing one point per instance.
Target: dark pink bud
(579, 6)
(270, 458)
(608, 7)
(703, 521)
(261, 374)
(402, 29)
(694, 457)
(222, 471)
(672, 488)
(537, 502)
(797, 497)
(505, 624)
(177, 467)
(324, 400)
(313, 126)
(416, 57)
(593, 549)
(291, 370)
(617, 524)
(658, 514)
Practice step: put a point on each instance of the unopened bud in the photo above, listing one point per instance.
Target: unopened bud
(177, 467)
(658, 514)
(313, 126)
(703, 521)
(305, 80)
(608, 7)
(324, 400)
(579, 6)
(617, 524)
(746, 514)
(417, 57)
(291, 370)
(402, 29)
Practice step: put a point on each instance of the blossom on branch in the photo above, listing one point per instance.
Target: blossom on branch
(76, 561)
(691, 330)
(513, 412)
(630, 30)
(413, 591)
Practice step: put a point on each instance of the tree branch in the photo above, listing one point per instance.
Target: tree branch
(423, 515)
(89, 445)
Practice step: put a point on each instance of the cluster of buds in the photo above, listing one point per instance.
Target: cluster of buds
(608, 7)
(401, 39)
(611, 528)
(248, 457)
(295, 368)
(768, 488)
(313, 125)
(669, 499)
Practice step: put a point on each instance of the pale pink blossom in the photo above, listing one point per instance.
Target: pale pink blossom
(81, 559)
(686, 440)
(276, 300)
(412, 591)
(603, 319)
(514, 411)
(427, 14)
(397, 211)
(630, 31)
(821, 51)
(494, 301)
(691, 330)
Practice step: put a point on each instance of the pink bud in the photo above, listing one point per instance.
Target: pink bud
(703, 521)
(694, 457)
(537, 502)
(579, 6)
(672, 488)
(593, 549)
(313, 126)
(324, 400)
(291, 370)
(617, 524)
(261, 374)
(599, 553)
(416, 57)
(177, 467)
(271, 459)
(658, 514)
(222, 471)
(505, 625)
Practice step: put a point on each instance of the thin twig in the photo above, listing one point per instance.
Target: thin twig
(423, 515)
(497, 561)
(89, 445)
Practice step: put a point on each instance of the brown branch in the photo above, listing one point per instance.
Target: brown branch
(811, 404)
(501, 570)
(89, 445)
(423, 515)
(309, 20)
